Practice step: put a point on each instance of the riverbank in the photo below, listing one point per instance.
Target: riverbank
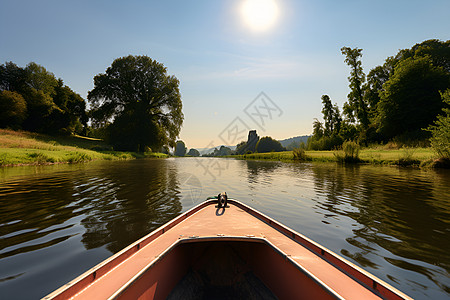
(26, 148)
(416, 157)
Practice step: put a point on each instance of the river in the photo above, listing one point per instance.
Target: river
(58, 221)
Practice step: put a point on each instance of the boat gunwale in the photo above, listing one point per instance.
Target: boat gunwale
(226, 238)
(87, 278)
(322, 252)
(118, 258)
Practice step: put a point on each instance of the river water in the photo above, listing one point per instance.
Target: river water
(58, 221)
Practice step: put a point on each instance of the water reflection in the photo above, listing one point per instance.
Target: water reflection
(58, 221)
(395, 210)
(128, 203)
(32, 211)
(44, 218)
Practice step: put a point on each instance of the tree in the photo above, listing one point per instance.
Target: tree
(52, 107)
(38, 78)
(224, 151)
(40, 106)
(140, 101)
(71, 116)
(241, 148)
(318, 130)
(356, 107)
(440, 131)
(332, 117)
(268, 144)
(12, 77)
(193, 152)
(13, 109)
(411, 100)
(180, 148)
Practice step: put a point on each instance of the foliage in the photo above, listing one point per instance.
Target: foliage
(268, 144)
(411, 100)
(356, 108)
(241, 148)
(300, 154)
(12, 77)
(224, 151)
(13, 109)
(141, 100)
(332, 117)
(51, 107)
(193, 152)
(180, 149)
(327, 137)
(325, 142)
(440, 130)
(349, 153)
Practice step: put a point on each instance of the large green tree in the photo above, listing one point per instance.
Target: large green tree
(356, 108)
(140, 102)
(410, 100)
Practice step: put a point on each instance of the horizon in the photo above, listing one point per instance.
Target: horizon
(221, 51)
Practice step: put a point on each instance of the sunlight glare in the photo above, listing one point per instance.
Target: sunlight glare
(259, 15)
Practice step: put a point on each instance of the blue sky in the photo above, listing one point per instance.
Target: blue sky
(222, 65)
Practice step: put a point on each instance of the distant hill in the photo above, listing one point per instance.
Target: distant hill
(297, 140)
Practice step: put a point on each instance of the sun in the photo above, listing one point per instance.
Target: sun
(259, 15)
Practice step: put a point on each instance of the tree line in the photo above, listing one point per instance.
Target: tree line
(33, 99)
(398, 100)
(135, 105)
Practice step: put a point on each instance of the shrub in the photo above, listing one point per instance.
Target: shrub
(349, 152)
(440, 131)
(300, 154)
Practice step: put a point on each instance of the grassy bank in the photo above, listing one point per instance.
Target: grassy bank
(404, 156)
(25, 148)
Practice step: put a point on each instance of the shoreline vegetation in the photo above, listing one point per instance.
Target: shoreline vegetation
(378, 155)
(19, 148)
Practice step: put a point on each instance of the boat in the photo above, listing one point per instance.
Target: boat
(224, 249)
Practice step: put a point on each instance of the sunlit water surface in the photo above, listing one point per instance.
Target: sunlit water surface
(58, 221)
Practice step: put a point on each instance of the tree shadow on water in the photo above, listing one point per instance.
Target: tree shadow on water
(141, 197)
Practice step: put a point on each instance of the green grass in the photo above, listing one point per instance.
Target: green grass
(25, 148)
(403, 157)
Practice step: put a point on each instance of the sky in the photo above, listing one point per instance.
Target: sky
(233, 77)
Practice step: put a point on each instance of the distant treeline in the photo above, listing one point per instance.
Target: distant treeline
(33, 99)
(396, 101)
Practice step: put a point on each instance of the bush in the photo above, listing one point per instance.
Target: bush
(349, 152)
(440, 131)
(300, 154)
